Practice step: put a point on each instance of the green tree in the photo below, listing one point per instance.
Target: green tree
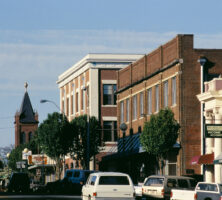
(1, 164)
(55, 137)
(16, 154)
(160, 134)
(80, 142)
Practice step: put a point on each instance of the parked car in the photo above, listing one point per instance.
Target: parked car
(107, 186)
(19, 182)
(209, 191)
(74, 179)
(157, 186)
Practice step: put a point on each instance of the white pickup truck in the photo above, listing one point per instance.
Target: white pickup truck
(203, 191)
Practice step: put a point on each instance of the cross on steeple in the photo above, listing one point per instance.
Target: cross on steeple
(26, 86)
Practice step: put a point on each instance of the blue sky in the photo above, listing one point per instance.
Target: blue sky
(41, 39)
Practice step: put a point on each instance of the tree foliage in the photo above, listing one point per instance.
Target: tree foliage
(80, 141)
(16, 154)
(1, 164)
(55, 137)
(160, 133)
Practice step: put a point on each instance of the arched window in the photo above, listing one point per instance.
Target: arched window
(22, 138)
(30, 136)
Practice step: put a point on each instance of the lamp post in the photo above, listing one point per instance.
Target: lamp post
(202, 62)
(45, 101)
(123, 128)
(88, 130)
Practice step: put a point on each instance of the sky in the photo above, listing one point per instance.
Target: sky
(41, 39)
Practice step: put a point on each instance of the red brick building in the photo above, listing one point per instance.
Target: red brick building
(167, 77)
(88, 87)
(26, 121)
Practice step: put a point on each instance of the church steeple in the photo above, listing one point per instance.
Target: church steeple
(26, 120)
(26, 113)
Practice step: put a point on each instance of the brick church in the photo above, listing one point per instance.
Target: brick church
(26, 121)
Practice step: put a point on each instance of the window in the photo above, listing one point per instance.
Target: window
(157, 98)
(114, 180)
(77, 102)
(22, 138)
(109, 96)
(83, 94)
(141, 104)
(121, 112)
(182, 183)
(135, 107)
(149, 101)
(154, 182)
(73, 99)
(67, 106)
(173, 91)
(110, 131)
(165, 93)
(82, 99)
(127, 110)
(171, 183)
(30, 136)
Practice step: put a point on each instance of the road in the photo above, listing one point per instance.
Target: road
(46, 197)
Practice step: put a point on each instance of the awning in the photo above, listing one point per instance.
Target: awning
(206, 159)
(218, 159)
(194, 160)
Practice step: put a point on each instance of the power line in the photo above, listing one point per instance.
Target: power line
(1, 128)
(9, 117)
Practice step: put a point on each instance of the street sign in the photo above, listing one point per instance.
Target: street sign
(213, 130)
(21, 164)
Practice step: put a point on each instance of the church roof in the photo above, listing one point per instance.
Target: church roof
(26, 113)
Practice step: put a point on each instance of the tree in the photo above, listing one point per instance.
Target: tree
(55, 137)
(16, 154)
(160, 134)
(80, 141)
(1, 164)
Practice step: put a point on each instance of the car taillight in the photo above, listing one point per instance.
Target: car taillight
(171, 194)
(221, 198)
(195, 196)
(142, 190)
(162, 192)
(81, 183)
(94, 194)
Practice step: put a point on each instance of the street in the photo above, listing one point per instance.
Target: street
(46, 197)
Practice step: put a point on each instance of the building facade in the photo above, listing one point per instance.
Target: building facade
(170, 77)
(89, 87)
(211, 98)
(26, 121)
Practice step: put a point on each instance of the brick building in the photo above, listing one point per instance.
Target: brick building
(95, 73)
(26, 121)
(167, 77)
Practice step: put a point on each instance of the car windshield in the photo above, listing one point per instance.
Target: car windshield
(154, 182)
(114, 180)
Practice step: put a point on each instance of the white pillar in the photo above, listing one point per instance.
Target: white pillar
(217, 149)
(209, 148)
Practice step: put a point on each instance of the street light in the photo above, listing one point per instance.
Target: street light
(45, 101)
(123, 128)
(88, 130)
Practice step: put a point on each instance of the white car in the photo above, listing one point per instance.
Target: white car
(108, 186)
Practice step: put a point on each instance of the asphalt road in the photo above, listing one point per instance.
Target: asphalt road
(46, 197)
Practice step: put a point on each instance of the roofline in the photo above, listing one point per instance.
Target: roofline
(99, 58)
